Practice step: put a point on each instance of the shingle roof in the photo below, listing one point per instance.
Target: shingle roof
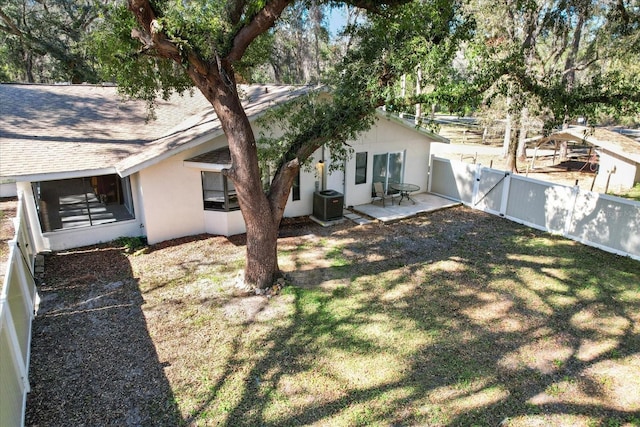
(220, 156)
(55, 130)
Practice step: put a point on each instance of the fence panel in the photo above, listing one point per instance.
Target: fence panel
(539, 204)
(491, 185)
(17, 301)
(11, 384)
(454, 180)
(607, 222)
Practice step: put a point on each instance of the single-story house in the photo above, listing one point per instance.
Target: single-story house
(93, 167)
(618, 155)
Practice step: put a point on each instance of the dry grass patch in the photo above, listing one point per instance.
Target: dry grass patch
(456, 318)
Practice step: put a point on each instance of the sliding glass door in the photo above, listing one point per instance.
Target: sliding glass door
(388, 168)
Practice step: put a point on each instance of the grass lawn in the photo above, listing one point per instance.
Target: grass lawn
(633, 193)
(455, 318)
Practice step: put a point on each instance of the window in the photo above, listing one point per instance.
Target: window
(361, 168)
(83, 202)
(218, 192)
(295, 188)
(388, 168)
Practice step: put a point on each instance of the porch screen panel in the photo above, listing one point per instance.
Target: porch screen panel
(126, 195)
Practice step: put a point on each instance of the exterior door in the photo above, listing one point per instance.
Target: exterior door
(388, 168)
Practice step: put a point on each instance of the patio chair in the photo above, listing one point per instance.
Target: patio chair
(380, 194)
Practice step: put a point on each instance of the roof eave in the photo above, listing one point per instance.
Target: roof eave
(52, 176)
(126, 171)
(433, 136)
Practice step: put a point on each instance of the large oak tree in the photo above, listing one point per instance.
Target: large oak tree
(156, 46)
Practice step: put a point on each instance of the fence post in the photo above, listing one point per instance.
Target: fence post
(504, 201)
(476, 184)
(575, 190)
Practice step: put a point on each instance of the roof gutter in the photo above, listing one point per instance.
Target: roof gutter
(51, 176)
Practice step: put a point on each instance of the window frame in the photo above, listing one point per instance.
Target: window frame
(228, 202)
(295, 188)
(361, 170)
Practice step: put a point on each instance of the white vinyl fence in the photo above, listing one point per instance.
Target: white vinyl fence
(17, 307)
(606, 222)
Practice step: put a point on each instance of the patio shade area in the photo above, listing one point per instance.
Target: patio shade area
(424, 202)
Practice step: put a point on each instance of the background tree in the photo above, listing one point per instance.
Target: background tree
(300, 44)
(44, 41)
(551, 61)
(205, 43)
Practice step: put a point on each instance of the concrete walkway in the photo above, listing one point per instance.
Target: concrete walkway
(424, 202)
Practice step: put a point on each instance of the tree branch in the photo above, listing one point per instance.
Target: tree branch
(374, 5)
(152, 37)
(11, 28)
(261, 22)
(235, 10)
(581, 67)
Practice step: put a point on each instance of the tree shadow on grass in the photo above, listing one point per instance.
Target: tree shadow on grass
(92, 359)
(455, 318)
(507, 327)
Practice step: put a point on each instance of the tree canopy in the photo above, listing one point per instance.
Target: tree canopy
(558, 59)
(44, 41)
(562, 59)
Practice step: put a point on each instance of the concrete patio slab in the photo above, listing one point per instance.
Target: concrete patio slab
(424, 202)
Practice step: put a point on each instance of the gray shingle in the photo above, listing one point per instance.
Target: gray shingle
(57, 129)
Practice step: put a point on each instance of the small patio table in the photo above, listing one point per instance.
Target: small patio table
(404, 189)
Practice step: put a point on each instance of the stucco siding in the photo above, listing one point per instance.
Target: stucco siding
(172, 195)
(387, 137)
(223, 223)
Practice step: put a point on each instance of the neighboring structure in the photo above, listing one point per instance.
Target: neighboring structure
(619, 156)
(93, 167)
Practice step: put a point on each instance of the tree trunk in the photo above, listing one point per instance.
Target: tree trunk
(418, 116)
(507, 135)
(261, 214)
(28, 67)
(511, 164)
(216, 80)
(522, 146)
(570, 71)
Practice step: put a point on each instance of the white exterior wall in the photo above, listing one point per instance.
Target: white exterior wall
(172, 194)
(385, 137)
(224, 223)
(173, 205)
(308, 179)
(623, 178)
(8, 189)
